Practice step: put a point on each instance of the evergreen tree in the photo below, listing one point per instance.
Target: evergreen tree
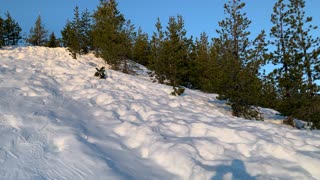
(176, 48)
(86, 31)
(289, 76)
(76, 34)
(305, 45)
(157, 53)
(38, 34)
(1, 32)
(141, 48)
(269, 94)
(127, 36)
(65, 34)
(241, 60)
(53, 41)
(306, 50)
(202, 68)
(170, 53)
(108, 34)
(11, 31)
(70, 39)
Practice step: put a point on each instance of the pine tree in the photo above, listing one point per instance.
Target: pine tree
(157, 53)
(107, 33)
(127, 36)
(176, 47)
(170, 53)
(86, 31)
(269, 94)
(202, 73)
(11, 31)
(289, 76)
(142, 48)
(305, 44)
(76, 34)
(240, 67)
(65, 34)
(1, 32)
(70, 39)
(53, 41)
(306, 50)
(38, 34)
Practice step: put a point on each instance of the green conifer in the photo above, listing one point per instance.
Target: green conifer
(85, 31)
(289, 75)
(53, 42)
(306, 52)
(11, 31)
(142, 48)
(1, 32)
(70, 39)
(240, 60)
(201, 68)
(108, 37)
(157, 53)
(38, 34)
(76, 34)
(176, 48)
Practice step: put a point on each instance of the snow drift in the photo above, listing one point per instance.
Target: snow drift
(57, 121)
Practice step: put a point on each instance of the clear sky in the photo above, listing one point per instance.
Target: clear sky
(200, 16)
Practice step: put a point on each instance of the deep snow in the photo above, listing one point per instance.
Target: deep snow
(57, 121)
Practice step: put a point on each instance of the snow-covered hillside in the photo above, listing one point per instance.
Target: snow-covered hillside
(57, 121)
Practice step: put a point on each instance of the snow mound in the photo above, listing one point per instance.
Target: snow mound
(57, 121)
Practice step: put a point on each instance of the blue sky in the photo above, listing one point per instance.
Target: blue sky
(200, 16)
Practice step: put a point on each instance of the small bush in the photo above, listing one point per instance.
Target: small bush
(289, 121)
(247, 112)
(177, 91)
(100, 73)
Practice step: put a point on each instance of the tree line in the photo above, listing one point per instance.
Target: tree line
(10, 33)
(230, 64)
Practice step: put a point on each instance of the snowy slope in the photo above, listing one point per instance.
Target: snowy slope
(57, 121)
